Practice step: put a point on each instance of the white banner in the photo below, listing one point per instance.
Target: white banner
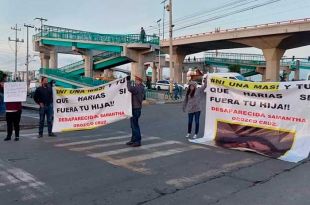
(88, 108)
(271, 118)
(15, 91)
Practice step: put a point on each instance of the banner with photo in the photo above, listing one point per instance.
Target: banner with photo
(88, 108)
(270, 118)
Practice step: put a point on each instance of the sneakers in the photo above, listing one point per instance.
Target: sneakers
(40, 136)
(188, 135)
(195, 136)
(51, 135)
(7, 139)
(16, 139)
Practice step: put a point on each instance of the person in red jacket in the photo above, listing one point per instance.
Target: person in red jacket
(13, 115)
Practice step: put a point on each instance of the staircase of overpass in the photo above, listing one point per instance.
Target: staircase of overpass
(108, 48)
(247, 62)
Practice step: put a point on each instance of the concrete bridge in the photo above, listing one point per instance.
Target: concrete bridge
(272, 38)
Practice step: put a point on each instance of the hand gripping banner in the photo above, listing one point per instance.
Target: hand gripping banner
(88, 108)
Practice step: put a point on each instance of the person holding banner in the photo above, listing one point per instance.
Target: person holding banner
(137, 92)
(192, 105)
(43, 96)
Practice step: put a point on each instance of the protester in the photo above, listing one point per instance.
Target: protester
(192, 105)
(138, 94)
(142, 35)
(176, 91)
(13, 115)
(44, 97)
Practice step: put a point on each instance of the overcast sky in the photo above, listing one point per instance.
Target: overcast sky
(112, 16)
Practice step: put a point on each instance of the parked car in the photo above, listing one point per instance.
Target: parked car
(198, 85)
(164, 85)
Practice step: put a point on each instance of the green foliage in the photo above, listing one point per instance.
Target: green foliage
(234, 68)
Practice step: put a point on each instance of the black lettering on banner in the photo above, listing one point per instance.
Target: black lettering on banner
(122, 91)
(305, 97)
(224, 100)
(275, 106)
(248, 102)
(67, 110)
(102, 105)
(219, 90)
(84, 107)
(62, 100)
(303, 86)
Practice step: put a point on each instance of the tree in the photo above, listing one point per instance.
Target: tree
(234, 68)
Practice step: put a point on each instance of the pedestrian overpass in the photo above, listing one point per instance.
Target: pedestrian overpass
(99, 52)
(250, 64)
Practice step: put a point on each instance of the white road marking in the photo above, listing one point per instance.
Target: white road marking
(187, 181)
(118, 151)
(107, 145)
(90, 141)
(25, 183)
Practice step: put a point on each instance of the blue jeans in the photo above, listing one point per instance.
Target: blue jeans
(134, 123)
(47, 111)
(190, 122)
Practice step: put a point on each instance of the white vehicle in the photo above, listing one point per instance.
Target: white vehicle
(164, 85)
(198, 85)
(234, 76)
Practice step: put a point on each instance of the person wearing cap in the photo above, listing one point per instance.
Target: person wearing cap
(192, 105)
(137, 92)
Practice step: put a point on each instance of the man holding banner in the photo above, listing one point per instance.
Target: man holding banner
(137, 92)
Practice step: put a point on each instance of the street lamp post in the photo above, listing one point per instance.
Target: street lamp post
(159, 66)
(169, 8)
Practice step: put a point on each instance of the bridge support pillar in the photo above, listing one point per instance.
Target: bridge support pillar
(154, 73)
(178, 59)
(88, 64)
(44, 57)
(138, 69)
(53, 58)
(273, 57)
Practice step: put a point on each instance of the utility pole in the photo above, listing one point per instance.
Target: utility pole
(163, 2)
(169, 8)
(41, 19)
(16, 40)
(27, 57)
(159, 71)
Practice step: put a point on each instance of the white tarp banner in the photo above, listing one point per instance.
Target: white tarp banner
(88, 108)
(15, 91)
(271, 118)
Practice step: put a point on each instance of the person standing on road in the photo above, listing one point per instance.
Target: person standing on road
(176, 91)
(43, 96)
(13, 115)
(192, 105)
(137, 92)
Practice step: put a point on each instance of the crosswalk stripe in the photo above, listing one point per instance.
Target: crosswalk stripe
(156, 155)
(112, 152)
(107, 144)
(90, 141)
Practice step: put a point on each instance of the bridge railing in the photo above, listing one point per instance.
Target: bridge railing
(77, 79)
(71, 34)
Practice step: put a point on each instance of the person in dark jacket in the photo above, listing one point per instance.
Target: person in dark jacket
(43, 96)
(137, 92)
(13, 115)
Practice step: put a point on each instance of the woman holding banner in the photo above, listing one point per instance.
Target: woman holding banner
(192, 105)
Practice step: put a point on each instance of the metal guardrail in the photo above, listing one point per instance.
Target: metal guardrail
(153, 94)
(71, 34)
(77, 79)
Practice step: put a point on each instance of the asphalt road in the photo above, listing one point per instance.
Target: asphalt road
(96, 167)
